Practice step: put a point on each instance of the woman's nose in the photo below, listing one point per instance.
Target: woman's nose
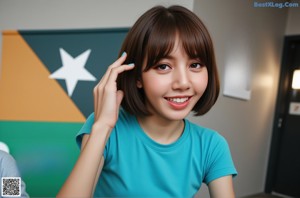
(181, 80)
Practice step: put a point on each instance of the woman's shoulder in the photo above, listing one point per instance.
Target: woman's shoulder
(204, 132)
(123, 119)
(125, 116)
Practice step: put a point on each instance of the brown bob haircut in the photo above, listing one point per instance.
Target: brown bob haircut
(153, 36)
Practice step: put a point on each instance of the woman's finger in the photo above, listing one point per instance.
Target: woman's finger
(96, 99)
(97, 89)
(107, 97)
(117, 63)
(120, 95)
(112, 78)
(107, 88)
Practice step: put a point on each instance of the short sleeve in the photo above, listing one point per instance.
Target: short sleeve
(219, 160)
(85, 129)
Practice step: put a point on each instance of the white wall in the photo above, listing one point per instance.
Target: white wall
(253, 37)
(293, 24)
(70, 14)
(58, 14)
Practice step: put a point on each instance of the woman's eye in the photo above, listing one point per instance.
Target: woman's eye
(196, 65)
(163, 67)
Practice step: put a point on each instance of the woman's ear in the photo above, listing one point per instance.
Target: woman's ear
(139, 84)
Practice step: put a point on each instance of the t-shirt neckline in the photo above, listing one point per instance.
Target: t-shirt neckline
(158, 146)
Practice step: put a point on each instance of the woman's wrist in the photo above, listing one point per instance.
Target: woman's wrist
(98, 127)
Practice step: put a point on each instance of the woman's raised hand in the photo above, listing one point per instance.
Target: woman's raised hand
(107, 98)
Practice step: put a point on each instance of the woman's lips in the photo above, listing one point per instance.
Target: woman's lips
(178, 102)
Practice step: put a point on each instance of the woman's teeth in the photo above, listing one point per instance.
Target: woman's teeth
(178, 100)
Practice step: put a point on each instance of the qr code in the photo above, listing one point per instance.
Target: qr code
(11, 187)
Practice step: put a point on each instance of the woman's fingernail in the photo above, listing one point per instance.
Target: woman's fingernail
(131, 64)
(123, 54)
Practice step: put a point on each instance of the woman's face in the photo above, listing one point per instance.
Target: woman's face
(174, 85)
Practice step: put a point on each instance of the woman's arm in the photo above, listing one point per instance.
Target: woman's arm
(221, 188)
(81, 181)
(107, 99)
(83, 143)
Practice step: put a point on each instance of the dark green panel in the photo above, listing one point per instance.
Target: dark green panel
(45, 153)
(103, 43)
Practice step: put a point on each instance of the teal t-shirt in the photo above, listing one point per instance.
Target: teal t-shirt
(137, 166)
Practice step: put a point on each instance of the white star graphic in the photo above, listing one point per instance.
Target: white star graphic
(73, 70)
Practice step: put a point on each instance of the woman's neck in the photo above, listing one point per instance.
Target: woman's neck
(161, 131)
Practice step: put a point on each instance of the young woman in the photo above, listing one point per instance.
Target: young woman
(137, 143)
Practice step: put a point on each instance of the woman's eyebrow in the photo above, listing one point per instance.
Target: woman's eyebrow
(169, 57)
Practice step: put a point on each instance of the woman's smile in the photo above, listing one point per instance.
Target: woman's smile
(178, 102)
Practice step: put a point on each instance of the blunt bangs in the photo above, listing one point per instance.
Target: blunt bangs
(170, 25)
(162, 37)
